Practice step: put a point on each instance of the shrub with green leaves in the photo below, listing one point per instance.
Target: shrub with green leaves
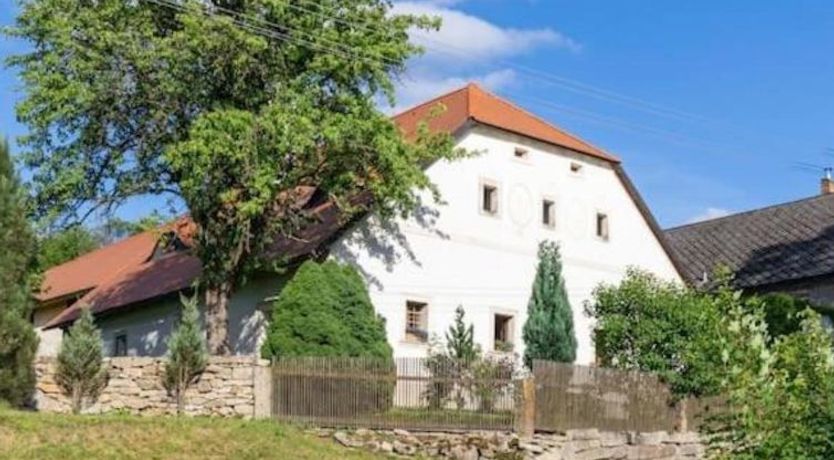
(187, 353)
(18, 341)
(79, 372)
(647, 324)
(325, 310)
(548, 332)
(780, 399)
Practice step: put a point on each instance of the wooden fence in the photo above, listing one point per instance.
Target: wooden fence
(578, 397)
(424, 394)
(416, 394)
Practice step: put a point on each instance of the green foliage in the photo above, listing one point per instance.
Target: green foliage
(325, 310)
(64, 245)
(460, 339)
(187, 355)
(186, 101)
(781, 401)
(651, 325)
(548, 333)
(18, 341)
(79, 372)
(783, 313)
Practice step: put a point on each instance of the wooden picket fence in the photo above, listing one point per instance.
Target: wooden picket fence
(420, 394)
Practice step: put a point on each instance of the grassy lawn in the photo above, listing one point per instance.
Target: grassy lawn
(26, 435)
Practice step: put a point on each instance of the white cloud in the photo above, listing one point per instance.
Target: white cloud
(709, 214)
(466, 39)
(420, 87)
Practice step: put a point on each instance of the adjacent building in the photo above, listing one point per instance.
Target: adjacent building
(531, 181)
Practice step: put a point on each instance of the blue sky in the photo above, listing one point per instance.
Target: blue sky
(708, 103)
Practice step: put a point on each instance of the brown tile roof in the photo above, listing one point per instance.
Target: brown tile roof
(124, 274)
(94, 268)
(473, 103)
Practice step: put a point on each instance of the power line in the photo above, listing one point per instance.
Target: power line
(571, 85)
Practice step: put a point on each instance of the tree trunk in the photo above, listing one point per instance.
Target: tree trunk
(77, 398)
(217, 318)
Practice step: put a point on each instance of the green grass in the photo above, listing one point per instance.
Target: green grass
(26, 435)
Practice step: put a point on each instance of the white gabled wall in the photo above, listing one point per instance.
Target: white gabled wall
(460, 256)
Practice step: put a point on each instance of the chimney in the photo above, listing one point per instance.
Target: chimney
(827, 184)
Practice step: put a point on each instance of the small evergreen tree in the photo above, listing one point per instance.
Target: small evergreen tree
(187, 353)
(548, 333)
(80, 373)
(325, 310)
(18, 341)
(460, 340)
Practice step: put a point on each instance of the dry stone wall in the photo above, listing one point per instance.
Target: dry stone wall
(572, 445)
(230, 386)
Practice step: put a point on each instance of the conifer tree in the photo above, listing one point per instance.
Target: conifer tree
(18, 341)
(460, 340)
(187, 353)
(80, 373)
(548, 333)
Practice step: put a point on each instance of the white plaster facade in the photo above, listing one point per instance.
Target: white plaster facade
(456, 254)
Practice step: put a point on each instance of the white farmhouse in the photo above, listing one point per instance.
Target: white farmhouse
(531, 182)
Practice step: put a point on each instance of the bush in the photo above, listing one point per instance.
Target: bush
(650, 325)
(187, 354)
(783, 313)
(80, 373)
(325, 310)
(548, 332)
(780, 400)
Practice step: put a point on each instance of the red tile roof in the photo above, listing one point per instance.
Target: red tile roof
(473, 103)
(123, 273)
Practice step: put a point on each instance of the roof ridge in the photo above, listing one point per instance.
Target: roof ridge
(749, 212)
(542, 120)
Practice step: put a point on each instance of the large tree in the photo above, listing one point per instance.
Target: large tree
(548, 332)
(230, 105)
(18, 341)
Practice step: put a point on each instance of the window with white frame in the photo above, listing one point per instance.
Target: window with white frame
(503, 334)
(416, 321)
(603, 226)
(548, 213)
(489, 198)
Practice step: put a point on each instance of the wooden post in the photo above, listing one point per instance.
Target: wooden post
(526, 421)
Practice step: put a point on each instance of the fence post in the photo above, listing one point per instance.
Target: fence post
(526, 421)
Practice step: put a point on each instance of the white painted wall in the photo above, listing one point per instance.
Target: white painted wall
(454, 254)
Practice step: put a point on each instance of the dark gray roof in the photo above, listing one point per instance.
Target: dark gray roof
(776, 244)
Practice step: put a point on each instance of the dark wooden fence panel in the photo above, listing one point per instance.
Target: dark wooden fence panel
(406, 393)
(578, 397)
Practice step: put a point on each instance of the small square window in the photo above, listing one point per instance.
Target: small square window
(521, 154)
(503, 337)
(120, 345)
(603, 226)
(416, 321)
(489, 199)
(548, 213)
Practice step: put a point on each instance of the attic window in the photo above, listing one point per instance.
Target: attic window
(521, 154)
(489, 199)
(575, 167)
(602, 226)
(548, 213)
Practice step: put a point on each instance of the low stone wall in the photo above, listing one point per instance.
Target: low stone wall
(573, 445)
(230, 386)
